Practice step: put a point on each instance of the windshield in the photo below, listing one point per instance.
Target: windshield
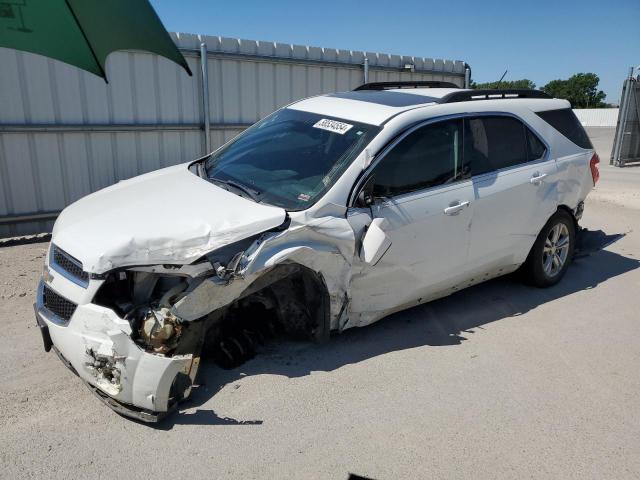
(291, 158)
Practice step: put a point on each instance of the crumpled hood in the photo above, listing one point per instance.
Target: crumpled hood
(167, 216)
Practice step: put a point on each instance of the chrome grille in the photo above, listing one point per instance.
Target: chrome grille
(57, 304)
(69, 266)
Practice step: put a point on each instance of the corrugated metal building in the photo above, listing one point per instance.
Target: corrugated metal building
(64, 133)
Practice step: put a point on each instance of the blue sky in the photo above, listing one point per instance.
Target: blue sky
(541, 40)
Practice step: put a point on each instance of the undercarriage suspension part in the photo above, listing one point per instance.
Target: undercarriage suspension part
(242, 334)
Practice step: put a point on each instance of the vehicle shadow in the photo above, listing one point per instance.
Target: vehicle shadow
(446, 322)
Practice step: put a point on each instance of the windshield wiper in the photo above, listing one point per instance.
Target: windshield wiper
(254, 194)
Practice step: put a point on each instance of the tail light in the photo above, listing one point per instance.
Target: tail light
(595, 171)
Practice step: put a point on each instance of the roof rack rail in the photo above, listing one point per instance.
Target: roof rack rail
(409, 84)
(493, 94)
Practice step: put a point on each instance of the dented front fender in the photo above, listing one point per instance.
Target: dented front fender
(325, 245)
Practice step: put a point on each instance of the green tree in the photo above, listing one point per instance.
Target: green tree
(581, 90)
(525, 83)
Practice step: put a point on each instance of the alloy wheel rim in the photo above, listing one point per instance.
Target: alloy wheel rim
(556, 250)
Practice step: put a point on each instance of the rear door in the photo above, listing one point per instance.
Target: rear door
(424, 194)
(515, 189)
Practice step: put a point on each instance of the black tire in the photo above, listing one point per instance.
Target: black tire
(533, 270)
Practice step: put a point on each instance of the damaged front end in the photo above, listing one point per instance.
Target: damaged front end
(138, 339)
(118, 332)
(148, 362)
(125, 343)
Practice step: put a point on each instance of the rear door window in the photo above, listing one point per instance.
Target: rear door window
(566, 122)
(493, 143)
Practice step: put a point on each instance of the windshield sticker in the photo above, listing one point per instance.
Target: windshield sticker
(333, 126)
(304, 197)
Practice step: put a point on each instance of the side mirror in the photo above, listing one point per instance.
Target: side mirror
(365, 197)
(375, 242)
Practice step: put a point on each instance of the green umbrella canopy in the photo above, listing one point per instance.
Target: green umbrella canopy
(84, 32)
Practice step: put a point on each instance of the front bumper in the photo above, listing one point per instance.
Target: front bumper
(129, 380)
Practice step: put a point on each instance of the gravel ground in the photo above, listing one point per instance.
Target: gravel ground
(498, 381)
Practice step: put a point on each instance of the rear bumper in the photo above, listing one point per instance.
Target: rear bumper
(96, 345)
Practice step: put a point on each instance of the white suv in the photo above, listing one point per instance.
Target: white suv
(328, 214)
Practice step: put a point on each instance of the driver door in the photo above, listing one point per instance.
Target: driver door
(423, 194)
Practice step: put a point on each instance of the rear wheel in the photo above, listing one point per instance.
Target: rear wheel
(552, 252)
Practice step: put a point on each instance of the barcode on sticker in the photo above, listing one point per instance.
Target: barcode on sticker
(333, 126)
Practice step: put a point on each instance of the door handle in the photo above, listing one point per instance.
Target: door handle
(537, 178)
(455, 208)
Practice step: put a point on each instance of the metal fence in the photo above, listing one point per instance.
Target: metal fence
(626, 145)
(64, 133)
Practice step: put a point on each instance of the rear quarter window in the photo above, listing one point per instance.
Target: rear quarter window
(566, 122)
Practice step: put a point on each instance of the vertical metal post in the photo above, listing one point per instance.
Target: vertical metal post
(622, 121)
(467, 76)
(366, 70)
(621, 124)
(205, 96)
